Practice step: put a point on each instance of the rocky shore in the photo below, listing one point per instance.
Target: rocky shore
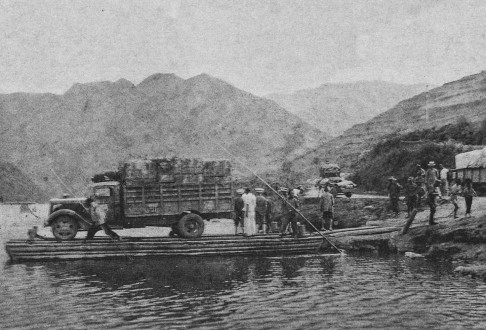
(462, 240)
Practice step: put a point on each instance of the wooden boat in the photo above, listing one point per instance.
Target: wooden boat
(101, 247)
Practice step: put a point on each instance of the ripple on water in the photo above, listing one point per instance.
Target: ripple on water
(311, 292)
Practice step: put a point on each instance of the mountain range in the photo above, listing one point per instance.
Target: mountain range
(60, 141)
(333, 108)
(463, 99)
(57, 142)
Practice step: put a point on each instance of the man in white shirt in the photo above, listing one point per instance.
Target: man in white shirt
(444, 184)
(249, 210)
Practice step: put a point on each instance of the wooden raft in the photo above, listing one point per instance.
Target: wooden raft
(22, 250)
(103, 247)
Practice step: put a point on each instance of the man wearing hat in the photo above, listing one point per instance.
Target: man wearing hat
(420, 181)
(297, 191)
(444, 184)
(431, 181)
(249, 209)
(394, 193)
(292, 206)
(239, 214)
(284, 207)
(431, 177)
(260, 210)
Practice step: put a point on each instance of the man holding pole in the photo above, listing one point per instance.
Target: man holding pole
(261, 210)
(239, 213)
(293, 207)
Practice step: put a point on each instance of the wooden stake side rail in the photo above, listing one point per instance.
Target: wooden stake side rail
(103, 247)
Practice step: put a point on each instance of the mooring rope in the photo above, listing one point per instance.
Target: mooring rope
(271, 188)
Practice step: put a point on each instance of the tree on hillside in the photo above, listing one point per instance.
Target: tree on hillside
(481, 133)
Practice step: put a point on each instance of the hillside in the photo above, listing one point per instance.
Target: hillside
(15, 186)
(398, 155)
(333, 108)
(464, 99)
(94, 126)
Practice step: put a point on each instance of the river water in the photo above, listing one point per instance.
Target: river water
(289, 292)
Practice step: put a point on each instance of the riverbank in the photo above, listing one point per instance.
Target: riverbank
(462, 240)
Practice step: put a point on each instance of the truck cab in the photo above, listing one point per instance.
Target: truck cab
(68, 215)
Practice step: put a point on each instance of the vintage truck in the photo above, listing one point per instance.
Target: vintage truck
(472, 165)
(330, 175)
(176, 193)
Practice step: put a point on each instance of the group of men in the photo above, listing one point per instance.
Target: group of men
(427, 184)
(253, 214)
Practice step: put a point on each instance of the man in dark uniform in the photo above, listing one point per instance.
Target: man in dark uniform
(239, 212)
(411, 194)
(261, 210)
(293, 205)
(420, 181)
(394, 192)
(268, 215)
(431, 200)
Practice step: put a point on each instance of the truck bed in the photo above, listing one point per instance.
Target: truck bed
(165, 199)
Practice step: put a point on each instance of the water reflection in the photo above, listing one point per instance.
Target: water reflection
(311, 291)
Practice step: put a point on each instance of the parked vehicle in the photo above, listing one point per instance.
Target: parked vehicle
(175, 193)
(339, 185)
(472, 165)
(331, 175)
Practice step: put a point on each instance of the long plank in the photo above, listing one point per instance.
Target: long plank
(29, 255)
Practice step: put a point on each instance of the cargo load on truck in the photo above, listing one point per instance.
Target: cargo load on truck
(328, 170)
(471, 159)
(472, 165)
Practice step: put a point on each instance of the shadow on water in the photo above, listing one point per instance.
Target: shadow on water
(162, 277)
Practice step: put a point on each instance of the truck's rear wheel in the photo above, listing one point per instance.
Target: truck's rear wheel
(191, 225)
(64, 228)
(348, 194)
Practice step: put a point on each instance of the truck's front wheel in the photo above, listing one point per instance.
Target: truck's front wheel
(191, 225)
(64, 228)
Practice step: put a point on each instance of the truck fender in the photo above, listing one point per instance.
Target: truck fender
(195, 212)
(82, 222)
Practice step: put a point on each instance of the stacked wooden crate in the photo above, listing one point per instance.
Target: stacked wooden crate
(182, 171)
(173, 185)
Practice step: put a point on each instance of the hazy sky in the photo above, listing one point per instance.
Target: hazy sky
(259, 46)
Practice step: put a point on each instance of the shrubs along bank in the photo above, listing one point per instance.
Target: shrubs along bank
(397, 155)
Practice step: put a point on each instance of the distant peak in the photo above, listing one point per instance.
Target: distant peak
(206, 79)
(161, 77)
(160, 84)
(101, 86)
(124, 83)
